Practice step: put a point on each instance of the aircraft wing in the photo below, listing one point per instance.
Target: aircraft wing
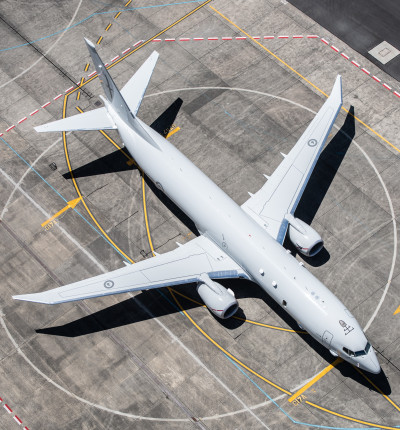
(283, 190)
(96, 119)
(180, 266)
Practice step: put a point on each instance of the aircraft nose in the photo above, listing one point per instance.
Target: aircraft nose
(373, 365)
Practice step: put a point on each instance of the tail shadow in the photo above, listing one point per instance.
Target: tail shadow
(118, 162)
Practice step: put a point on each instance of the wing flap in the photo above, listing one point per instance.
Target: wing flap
(283, 190)
(97, 119)
(180, 266)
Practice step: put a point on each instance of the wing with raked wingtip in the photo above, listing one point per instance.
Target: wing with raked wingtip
(180, 266)
(281, 193)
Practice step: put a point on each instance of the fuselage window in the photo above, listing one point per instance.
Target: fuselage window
(364, 351)
(348, 352)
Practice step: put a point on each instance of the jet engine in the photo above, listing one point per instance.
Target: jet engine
(304, 238)
(219, 300)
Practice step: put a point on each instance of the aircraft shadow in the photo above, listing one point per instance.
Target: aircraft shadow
(320, 181)
(116, 161)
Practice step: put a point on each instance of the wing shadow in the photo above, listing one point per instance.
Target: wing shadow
(116, 161)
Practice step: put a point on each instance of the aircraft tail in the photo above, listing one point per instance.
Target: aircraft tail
(125, 103)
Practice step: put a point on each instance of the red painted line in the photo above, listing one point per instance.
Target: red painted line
(269, 37)
(156, 40)
(46, 104)
(10, 128)
(57, 97)
(387, 86)
(356, 64)
(169, 40)
(298, 37)
(126, 50)
(325, 41)
(365, 71)
(92, 74)
(256, 37)
(396, 93)
(283, 37)
(226, 38)
(69, 89)
(344, 56)
(17, 419)
(1, 134)
(26, 428)
(137, 43)
(198, 38)
(7, 408)
(334, 48)
(1, 399)
(184, 39)
(115, 58)
(22, 120)
(241, 38)
(312, 36)
(376, 79)
(212, 38)
(106, 64)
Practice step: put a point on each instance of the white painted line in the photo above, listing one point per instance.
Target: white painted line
(396, 93)
(298, 37)
(126, 50)
(269, 37)
(169, 40)
(344, 55)
(375, 78)
(1, 134)
(22, 120)
(325, 41)
(18, 420)
(57, 97)
(212, 38)
(46, 104)
(138, 43)
(334, 48)
(365, 71)
(69, 89)
(198, 38)
(156, 40)
(225, 38)
(387, 86)
(92, 74)
(115, 58)
(106, 64)
(7, 408)
(283, 37)
(355, 63)
(256, 37)
(10, 128)
(312, 36)
(184, 39)
(241, 38)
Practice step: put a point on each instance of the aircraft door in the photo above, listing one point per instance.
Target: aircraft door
(327, 338)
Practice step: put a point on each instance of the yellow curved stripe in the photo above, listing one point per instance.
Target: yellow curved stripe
(145, 214)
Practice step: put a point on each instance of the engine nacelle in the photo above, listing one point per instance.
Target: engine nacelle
(219, 300)
(304, 238)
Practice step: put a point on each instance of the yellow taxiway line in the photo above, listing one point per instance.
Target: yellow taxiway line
(71, 204)
(314, 380)
(301, 76)
(397, 311)
(173, 131)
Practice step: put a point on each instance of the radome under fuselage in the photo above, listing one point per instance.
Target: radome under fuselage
(266, 262)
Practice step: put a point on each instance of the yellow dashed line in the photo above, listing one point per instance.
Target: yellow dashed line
(99, 40)
(108, 26)
(145, 214)
(78, 96)
(128, 3)
(117, 15)
(87, 67)
(173, 131)
(302, 77)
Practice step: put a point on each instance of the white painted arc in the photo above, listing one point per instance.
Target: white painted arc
(72, 395)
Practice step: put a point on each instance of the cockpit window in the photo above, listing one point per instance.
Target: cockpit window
(357, 353)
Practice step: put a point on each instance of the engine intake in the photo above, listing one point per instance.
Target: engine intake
(306, 240)
(219, 300)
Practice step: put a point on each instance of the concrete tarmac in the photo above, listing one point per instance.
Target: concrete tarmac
(159, 359)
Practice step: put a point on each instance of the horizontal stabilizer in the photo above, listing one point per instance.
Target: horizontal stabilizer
(97, 119)
(134, 89)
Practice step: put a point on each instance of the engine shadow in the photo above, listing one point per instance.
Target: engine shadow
(320, 181)
(118, 162)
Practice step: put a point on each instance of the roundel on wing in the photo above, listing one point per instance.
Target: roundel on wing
(108, 284)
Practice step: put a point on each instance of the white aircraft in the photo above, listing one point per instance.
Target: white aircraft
(236, 241)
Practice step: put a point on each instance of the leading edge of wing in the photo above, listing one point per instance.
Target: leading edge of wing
(180, 266)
